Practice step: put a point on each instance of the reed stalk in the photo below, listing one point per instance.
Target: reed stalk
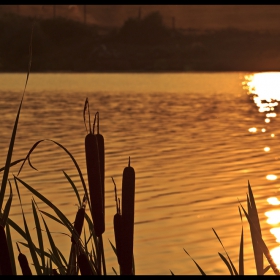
(5, 262)
(118, 229)
(128, 200)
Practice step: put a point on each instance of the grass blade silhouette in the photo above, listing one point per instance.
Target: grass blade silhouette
(233, 267)
(11, 250)
(5, 262)
(227, 263)
(199, 268)
(253, 214)
(7, 207)
(13, 137)
(73, 186)
(28, 237)
(241, 248)
(261, 243)
(39, 233)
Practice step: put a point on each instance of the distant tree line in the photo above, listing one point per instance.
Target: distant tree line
(141, 44)
(147, 31)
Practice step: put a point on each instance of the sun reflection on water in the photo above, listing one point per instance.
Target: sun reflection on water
(273, 217)
(265, 85)
(264, 90)
(273, 201)
(275, 253)
(271, 177)
(252, 129)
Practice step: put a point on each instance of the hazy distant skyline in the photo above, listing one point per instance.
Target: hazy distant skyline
(250, 17)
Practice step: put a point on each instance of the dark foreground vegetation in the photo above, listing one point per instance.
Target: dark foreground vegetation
(86, 256)
(139, 45)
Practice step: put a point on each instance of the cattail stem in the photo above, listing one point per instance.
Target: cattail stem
(5, 262)
(84, 264)
(102, 255)
(118, 228)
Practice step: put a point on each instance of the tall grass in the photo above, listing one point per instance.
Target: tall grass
(86, 256)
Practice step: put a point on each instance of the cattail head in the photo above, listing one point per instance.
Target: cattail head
(23, 263)
(5, 262)
(94, 147)
(94, 181)
(128, 197)
(79, 221)
(78, 224)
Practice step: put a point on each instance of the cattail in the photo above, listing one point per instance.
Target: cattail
(128, 196)
(101, 154)
(95, 156)
(23, 263)
(79, 222)
(94, 181)
(5, 262)
(118, 228)
(84, 264)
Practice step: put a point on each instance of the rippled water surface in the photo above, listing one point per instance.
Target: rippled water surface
(194, 140)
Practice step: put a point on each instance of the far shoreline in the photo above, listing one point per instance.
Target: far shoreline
(138, 72)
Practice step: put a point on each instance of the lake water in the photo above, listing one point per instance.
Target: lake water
(194, 139)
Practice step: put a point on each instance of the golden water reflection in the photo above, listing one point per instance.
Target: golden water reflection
(273, 201)
(273, 217)
(252, 129)
(264, 91)
(274, 220)
(275, 253)
(265, 85)
(271, 177)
